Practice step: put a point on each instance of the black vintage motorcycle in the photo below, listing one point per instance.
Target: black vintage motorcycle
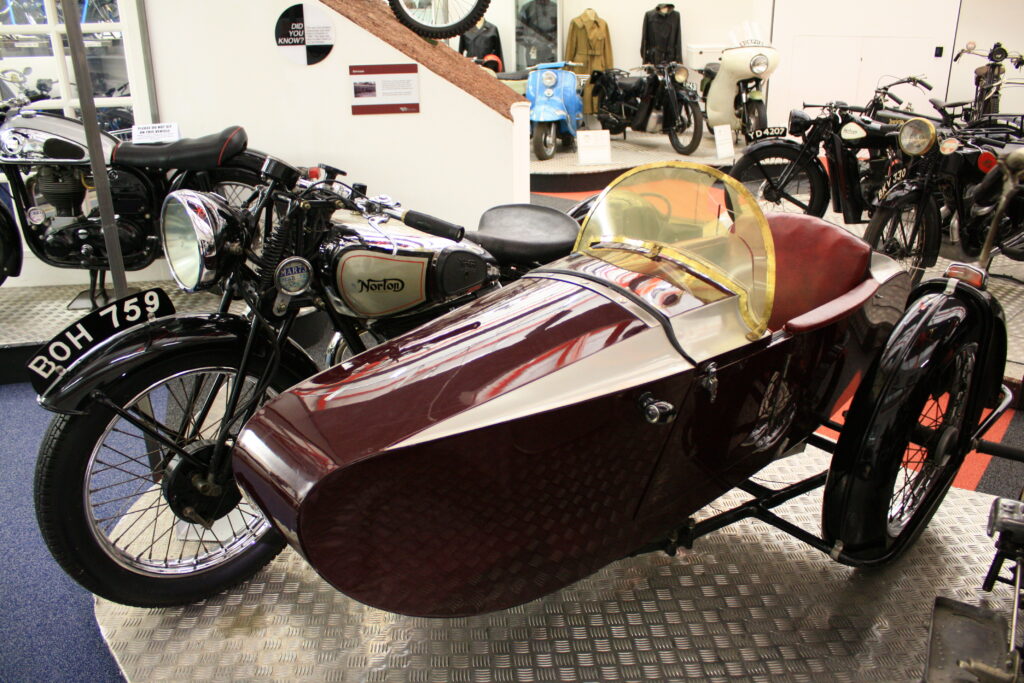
(990, 78)
(46, 163)
(950, 186)
(661, 101)
(171, 533)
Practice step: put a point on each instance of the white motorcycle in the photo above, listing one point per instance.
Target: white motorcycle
(731, 89)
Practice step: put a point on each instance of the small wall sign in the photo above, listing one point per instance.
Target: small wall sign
(304, 33)
(385, 89)
(155, 132)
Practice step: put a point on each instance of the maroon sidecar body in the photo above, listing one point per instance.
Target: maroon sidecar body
(518, 444)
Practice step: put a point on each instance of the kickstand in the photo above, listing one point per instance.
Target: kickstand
(94, 297)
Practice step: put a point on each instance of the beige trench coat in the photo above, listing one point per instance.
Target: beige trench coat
(589, 44)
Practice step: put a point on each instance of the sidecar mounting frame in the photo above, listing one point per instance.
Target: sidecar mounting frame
(759, 507)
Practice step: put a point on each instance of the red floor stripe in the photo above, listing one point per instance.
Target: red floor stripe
(975, 464)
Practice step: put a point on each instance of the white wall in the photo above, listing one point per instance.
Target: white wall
(839, 53)
(987, 22)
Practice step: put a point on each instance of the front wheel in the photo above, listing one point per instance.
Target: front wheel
(688, 130)
(439, 18)
(755, 116)
(906, 231)
(908, 441)
(127, 517)
(783, 179)
(545, 137)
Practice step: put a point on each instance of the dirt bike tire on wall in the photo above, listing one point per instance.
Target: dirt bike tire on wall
(425, 21)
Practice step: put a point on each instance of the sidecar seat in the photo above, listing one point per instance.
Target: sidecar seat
(815, 262)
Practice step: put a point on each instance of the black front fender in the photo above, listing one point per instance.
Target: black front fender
(174, 335)
(776, 143)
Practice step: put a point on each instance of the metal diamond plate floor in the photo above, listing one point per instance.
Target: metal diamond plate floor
(747, 604)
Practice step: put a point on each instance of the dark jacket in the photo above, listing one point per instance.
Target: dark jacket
(480, 42)
(537, 31)
(662, 37)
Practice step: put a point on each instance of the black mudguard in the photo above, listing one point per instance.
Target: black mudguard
(912, 191)
(792, 144)
(938, 314)
(10, 245)
(174, 335)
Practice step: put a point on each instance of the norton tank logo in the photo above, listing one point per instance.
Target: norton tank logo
(383, 285)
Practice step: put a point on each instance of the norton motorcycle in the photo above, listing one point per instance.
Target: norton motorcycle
(732, 89)
(661, 101)
(513, 445)
(949, 187)
(45, 160)
(175, 408)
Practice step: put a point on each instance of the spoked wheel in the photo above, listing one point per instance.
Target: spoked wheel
(903, 449)
(439, 18)
(783, 179)
(686, 134)
(904, 232)
(545, 137)
(136, 522)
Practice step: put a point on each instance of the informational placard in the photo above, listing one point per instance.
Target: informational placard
(593, 147)
(723, 141)
(155, 132)
(385, 89)
(304, 33)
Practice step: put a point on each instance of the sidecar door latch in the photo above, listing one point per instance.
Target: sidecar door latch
(656, 412)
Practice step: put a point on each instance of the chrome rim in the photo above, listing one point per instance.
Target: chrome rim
(923, 461)
(127, 511)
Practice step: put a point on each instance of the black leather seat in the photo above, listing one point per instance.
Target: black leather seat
(190, 154)
(630, 85)
(525, 233)
(514, 75)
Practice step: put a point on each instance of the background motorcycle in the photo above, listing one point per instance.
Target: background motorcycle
(46, 163)
(946, 171)
(661, 101)
(174, 408)
(990, 78)
(732, 88)
(556, 107)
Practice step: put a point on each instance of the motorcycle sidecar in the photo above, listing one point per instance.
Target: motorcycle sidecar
(584, 413)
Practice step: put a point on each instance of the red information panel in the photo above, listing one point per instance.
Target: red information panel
(385, 89)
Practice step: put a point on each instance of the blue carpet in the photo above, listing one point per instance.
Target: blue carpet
(48, 628)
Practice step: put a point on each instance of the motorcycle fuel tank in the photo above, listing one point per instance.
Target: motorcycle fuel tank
(477, 462)
(36, 136)
(375, 274)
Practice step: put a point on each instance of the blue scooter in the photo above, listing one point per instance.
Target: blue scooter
(556, 108)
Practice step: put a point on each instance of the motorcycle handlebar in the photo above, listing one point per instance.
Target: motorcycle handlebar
(429, 224)
(924, 84)
(892, 97)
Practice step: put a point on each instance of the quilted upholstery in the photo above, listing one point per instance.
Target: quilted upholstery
(815, 262)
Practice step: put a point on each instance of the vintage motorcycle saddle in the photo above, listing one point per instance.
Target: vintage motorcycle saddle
(190, 154)
(525, 232)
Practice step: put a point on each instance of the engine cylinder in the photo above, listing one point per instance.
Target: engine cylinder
(62, 188)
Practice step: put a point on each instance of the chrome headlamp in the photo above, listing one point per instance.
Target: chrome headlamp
(681, 74)
(759, 64)
(917, 136)
(194, 227)
(549, 78)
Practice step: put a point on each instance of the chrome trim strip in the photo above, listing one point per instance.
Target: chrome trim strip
(641, 314)
(644, 357)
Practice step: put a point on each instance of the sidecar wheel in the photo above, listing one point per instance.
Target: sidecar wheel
(910, 440)
(111, 502)
(545, 138)
(685, 136)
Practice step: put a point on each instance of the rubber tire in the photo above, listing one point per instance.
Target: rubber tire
(930, 236)
(456, 28)
(746, 170)
(755, 115)
(696, 123)
(545, 139)
(60, 508)
(865, 493)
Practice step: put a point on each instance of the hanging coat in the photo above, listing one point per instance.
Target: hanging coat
(589, 44)
(662, 36)
(481, 41)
